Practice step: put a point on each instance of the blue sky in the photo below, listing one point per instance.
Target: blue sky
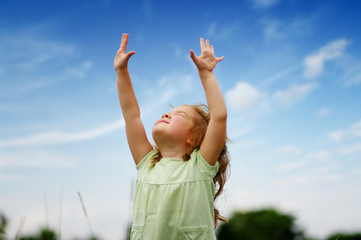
(291, 78)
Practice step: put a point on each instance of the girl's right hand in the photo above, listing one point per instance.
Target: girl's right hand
(122, 57)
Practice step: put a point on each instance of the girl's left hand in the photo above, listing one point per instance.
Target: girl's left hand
(206, 61)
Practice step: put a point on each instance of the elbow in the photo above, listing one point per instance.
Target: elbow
(220, 116)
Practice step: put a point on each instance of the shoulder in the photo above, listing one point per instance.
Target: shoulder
(198, 160)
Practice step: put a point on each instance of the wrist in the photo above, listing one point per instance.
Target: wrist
(205, 72)
(121, 70)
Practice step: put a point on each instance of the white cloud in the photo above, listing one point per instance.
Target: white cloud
(290, 150)
(353, 131)
(242, 97)
(337, 135)
(61, 137)
(292, 165)
(348, 150)
(10, 177)
(356, 129)
(300, 180)
(294, 94)
(314, 63)
(321, 155)
(333, 177)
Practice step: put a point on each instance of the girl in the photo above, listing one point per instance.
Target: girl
(177, 179)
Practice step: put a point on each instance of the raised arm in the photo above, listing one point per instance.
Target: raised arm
(136, 135)
(215, 137)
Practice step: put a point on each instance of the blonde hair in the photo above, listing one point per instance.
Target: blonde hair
(198, 132)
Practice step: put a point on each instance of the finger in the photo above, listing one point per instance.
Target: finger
(129, 54)
(124, 43)
(207, 43)
(193, 56)
(219, 59)
(123, 37)
(212, 49)
(202, 44)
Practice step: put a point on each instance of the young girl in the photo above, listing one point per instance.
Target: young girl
(178, 179)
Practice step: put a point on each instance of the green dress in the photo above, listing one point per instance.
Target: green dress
(174, 199)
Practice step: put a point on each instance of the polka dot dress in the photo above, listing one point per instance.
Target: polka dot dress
(174, 199)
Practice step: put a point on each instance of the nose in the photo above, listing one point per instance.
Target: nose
(166, 115)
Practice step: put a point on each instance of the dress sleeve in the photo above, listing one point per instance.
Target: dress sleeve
(147, 157)
(211, 169)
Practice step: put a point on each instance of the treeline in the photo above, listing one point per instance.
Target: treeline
(269, 224)
(263, 224)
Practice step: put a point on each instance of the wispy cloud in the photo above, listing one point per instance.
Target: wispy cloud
(9, 177)
(294, 94)
(352, 76)
(265, 3)
(212, 29)
(356, 128)
(26, 50)
(314, 63)
(322, 112)
(290, 150)
(55, 137)
(242, 97)
(337, 135)
(147, 8)
(274, 29)
(80, 71)
(351, 149)
(44, 61)
(282, 74)
(292, 165)
(223, 31)
(353, 131)
(35, 159)
(321, 155)
(308, 179)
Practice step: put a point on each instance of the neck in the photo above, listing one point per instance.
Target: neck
(169, 149)
(171, 154)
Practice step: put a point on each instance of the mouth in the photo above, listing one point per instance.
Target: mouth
(161, 121)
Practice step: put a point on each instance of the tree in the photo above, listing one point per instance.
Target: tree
(259, 225)
(3, 224)
(45, 234)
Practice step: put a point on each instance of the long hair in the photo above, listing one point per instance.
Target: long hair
(198, 133)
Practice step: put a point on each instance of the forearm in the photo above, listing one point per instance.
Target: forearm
(214, 96)
(127, 98)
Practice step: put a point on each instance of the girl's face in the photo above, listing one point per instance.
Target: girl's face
(176, 124)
